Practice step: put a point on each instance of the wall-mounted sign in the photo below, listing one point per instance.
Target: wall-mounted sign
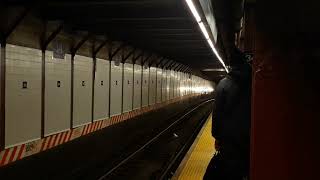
(24, 85)
(58, 84)
(249, 56)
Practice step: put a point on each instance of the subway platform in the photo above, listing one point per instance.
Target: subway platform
(194, 164)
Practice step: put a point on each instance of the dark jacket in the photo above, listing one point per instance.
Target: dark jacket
(231, 117)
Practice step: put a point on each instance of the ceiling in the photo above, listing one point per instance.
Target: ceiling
(164, 27)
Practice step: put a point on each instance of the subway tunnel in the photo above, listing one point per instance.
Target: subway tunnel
(119, 89)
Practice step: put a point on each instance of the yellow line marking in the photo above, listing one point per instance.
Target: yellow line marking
(194, 165)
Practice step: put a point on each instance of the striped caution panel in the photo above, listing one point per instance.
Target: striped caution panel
(15, 153)
(10, 155)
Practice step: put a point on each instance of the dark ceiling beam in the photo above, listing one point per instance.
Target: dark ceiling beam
(46, 40)
(103, 43)
(160, 61)
(165, 63)
(135, 58)
(180, 69)
(169, 30)
(154, 27)
(174, 66)
(169, 65)
(108, 3)
(177, 67)
(134, 24)
(7, 30)
(169, 40)
(62, 12)
(118, 49)
(128, 55)
(153, 61)
(146, 59)
(147, 19)
(185, 68)
(77, 46)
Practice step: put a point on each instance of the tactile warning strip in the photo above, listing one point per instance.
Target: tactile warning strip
(194, 164)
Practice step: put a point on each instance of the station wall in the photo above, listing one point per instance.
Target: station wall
(82, 90)
(159, 85)
(127, 87)
(145, 86)
(24, 91)
(23, 94)
(164, 86)
(152, 85)
(57, 93)
(116, 89)
(175, 93)
(137, 86)
(168, 84)
(171, 85)
(101, 90)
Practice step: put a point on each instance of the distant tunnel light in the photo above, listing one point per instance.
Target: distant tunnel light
(204, 31)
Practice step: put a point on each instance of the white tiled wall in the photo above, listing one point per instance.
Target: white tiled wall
(57, 98)
(152, 85)
(172, 81)
(82, 92)
(164, 85)
(137, 87)
(23, 105)
(116, 89)
(159, 81)
(145, 86)
(101, 90)
(127, 89)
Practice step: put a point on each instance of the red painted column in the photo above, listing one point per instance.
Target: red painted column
(285, 102)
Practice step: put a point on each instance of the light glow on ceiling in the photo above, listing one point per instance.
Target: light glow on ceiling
(214, 70)
(205, 32)
(193, 10)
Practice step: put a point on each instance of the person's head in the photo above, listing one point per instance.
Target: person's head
(239, 66)
(237, 59)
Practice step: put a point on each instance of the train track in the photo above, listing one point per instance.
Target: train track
(158, 157)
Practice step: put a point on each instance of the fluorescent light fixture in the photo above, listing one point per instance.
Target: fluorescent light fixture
(217, 54)
(193, 10)
(204, 31)
(214, 70)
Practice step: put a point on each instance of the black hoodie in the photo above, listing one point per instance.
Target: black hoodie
(232, 114)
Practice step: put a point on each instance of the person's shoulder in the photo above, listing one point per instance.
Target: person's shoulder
(225, 81)
(223, 84)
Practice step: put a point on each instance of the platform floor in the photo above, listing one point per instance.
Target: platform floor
(194, 164)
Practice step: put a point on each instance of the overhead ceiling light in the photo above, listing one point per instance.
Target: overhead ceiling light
(217, 54)
(214, 70)
(193, 10)
(205, 32)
